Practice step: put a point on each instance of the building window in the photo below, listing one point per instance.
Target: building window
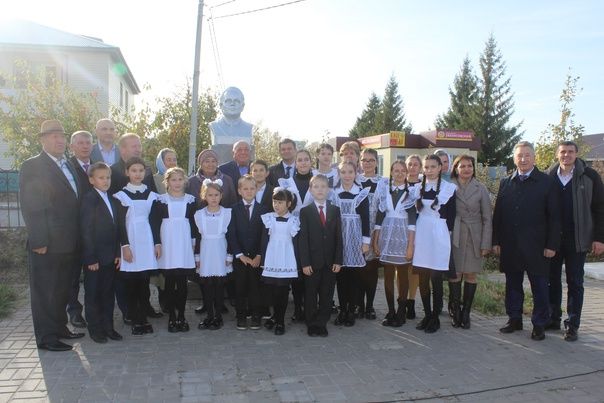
(121, 95)
(401, 157)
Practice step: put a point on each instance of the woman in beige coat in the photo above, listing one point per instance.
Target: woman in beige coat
(471, 239)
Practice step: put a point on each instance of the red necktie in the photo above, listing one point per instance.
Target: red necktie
(322, 215)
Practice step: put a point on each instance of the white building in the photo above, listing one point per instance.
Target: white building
(85, 64)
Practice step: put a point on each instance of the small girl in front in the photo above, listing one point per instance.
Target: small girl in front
(139, 248)
(211, 256)
(354, 209)
(436, 207)
(395, 236)
(279, 260)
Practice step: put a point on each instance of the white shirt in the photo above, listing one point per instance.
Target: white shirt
(108, 156)
(324, 207)
(260, 193)
(565, 178)
(251, 204)
(106, 200)
(291, 171)
(526, 174)
(62, 164)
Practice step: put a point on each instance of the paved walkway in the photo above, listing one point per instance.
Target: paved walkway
(367, 362)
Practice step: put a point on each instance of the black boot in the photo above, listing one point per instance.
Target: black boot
(434, 323)
(423, 324)
(469, 290)
(400, 313)
(455, 302)
(410, 309)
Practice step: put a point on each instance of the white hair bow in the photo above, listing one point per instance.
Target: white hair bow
(207, 181)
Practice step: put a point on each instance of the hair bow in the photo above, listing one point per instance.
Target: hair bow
(278, 189)
(207, 181)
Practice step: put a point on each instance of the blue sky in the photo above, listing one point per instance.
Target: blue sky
(309, 67)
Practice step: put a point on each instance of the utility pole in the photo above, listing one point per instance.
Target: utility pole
(195, 100)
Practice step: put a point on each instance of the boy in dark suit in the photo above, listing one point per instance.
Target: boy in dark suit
(100, 253)
(264, 190)
(244, 242)
(320, 249)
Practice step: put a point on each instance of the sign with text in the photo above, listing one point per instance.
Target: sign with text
(457, 135)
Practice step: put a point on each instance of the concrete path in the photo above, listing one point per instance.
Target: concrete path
(367, 362)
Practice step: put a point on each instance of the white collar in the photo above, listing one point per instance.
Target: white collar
(324, 204)
(374, 179)
(136, 188)
(568, 174)
(400, 187)
(55, 159)
(526, 174)
(292, 165)
(245, 203)
(355, 189)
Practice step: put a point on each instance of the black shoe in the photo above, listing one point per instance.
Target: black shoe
(388, 319)
(411, 309)
(433, 324)
(269, 323)
(553, 325)
(152, 313)
(98, 338)
(72, 335)
(205, 324)
(127, 322)
(241, 324)
(172, 326)
(148, 328)
(538, 333)
(279, 329)
(113, 335)
(512, 326)
(255, 323)
(370, 314)
(216, 324)
(200, 310)
(138, 330)
(78, 321)
(182, 325)
(265, 313)
(349, 320)
(323, 331)
(401, 314)
(312, 331)
(340, 319)
(423, 324)
(55, 346)
(571, 333)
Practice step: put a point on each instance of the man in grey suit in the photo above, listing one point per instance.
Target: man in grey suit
(49, 191)
(105, 148)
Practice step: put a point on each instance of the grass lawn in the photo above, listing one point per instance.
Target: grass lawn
(13, 270)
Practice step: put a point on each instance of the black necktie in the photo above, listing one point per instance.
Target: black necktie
(287, 172)
(247, 207)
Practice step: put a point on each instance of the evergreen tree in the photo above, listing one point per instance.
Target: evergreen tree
(366, 124)
(464, 96)
(392, 116)
(495, 108)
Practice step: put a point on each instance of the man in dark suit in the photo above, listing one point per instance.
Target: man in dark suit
(80, 146)
(526, 234)
(49, 193)
(244, 239)
(582, 220)
(100, 253)
(320, 252)
(240, 164)
(105, 148)
(130, 146)
(285, 168)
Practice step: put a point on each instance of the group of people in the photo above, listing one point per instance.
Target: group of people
(253, 232)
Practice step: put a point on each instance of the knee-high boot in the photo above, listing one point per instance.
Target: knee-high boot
(469, 290)
(455, 298)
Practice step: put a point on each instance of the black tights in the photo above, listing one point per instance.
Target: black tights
(368, 280)
(436, 276)
(402, 280)
(137, 289)
(348, 286)
(278, 295)
(213, 295)
(175, 294)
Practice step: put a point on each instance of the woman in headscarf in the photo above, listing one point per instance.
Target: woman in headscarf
(166, 159)
(207, 160)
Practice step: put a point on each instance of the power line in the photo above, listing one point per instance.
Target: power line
(214, 42)
(259, 9)
(222, 4)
